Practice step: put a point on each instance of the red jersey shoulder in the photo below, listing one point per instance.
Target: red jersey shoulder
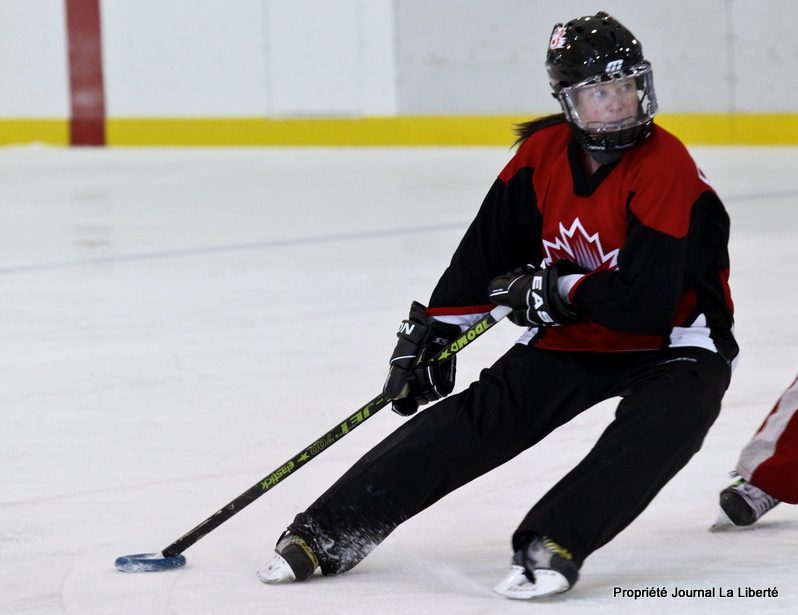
(536, 148)
(666, 182)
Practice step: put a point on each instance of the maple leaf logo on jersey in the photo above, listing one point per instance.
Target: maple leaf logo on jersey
(575, 244)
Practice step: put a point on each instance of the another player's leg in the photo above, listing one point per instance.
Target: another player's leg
(767, 471)
(741, 504)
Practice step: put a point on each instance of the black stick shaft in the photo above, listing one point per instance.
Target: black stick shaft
(324, 442)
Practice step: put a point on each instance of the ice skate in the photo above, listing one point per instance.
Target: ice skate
(294, 560)
(742, 504)
(542, 569)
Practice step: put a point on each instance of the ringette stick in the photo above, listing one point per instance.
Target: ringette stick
(171, 556)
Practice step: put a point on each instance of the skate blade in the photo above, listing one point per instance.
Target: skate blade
(518, 587)
(276, 571)
(722, 523)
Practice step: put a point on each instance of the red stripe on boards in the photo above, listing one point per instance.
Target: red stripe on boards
(86, 89)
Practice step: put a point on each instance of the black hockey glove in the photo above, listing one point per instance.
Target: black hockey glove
(532, 293)
(411, 383)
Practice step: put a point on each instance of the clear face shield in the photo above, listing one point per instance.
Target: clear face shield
(611, 102)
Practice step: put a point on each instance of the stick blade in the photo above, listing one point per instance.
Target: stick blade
(149, 562)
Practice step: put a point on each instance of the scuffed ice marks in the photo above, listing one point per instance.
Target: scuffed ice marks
(342, 549)
(347, 550)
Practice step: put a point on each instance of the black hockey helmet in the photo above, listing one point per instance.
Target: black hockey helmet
(588, 55)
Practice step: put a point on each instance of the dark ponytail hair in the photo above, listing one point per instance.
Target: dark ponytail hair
(525, 129)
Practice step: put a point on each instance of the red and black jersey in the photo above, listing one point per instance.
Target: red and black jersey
(648, 228)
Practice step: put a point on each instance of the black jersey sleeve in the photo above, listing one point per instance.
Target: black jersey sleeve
(504, 234)
(662, 280)
(642, 295)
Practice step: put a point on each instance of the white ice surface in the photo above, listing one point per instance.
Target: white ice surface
(174, 324)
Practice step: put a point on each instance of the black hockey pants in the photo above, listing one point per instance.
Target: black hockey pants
(670, 398)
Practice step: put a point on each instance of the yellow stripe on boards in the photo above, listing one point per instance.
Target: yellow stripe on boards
(693, 129)
(27, 131)
(415, 130)
(472, 130)
(733, 128)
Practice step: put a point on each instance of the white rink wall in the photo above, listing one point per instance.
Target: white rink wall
(351, 58)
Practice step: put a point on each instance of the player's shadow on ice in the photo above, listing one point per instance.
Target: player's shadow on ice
(759, 526)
